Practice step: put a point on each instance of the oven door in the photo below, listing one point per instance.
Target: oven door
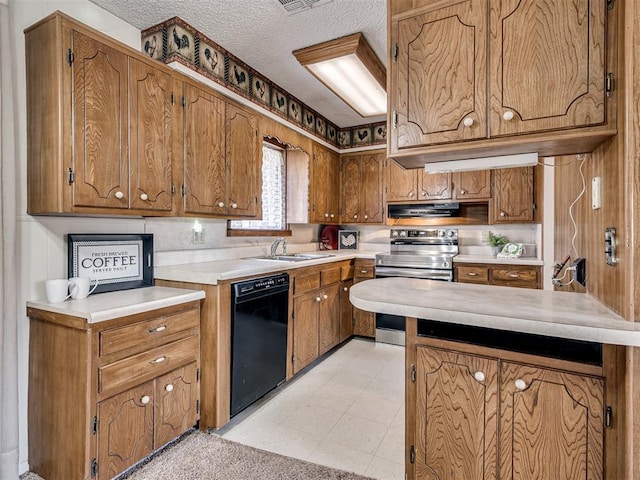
(391, 328)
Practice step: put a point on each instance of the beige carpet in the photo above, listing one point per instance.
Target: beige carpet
(199, 456)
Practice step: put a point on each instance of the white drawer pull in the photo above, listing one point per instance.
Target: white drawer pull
(520, 384)
(468, 122)
(472, 274)
(366, 217)
(159, 328)
(158, 360)
(146, 399)
(479, 376)
(169, 388)
(144, 197)
(364, 271)
(514, 275)
(119, 195)
(508, 115)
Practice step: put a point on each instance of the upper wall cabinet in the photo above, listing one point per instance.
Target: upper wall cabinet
(325, 185)
(99, 134)
(362, 182)
(477, 78)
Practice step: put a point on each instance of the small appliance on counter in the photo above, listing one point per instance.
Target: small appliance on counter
(329, 237)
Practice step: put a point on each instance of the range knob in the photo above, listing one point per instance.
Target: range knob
(441, 233)
(403, 233)
(451, 233)
(394, 233)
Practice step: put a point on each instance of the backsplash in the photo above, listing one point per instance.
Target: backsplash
(176, 40)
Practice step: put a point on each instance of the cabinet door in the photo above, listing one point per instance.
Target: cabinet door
(125, 430)
(456, 404)
(547, 65)
(438, 82)
(305, 329)
(512, 195)
(346, 311)
(472, 185)
(434, 186)
(100, 122)
(351, 190)
(243, 154)
(329, 320)
(325, 187)
(401, 182)
(205, 177)
(175, 404)
(364, 323)
(372, 188)
(151, 116)
(550, 415)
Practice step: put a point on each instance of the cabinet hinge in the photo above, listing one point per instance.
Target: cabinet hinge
(71, 176)
(394, 52)
(609, 4)
(197, 374)
(183, 190)
(609, 84)
(94, 425)
(184, 102)
(70, 57)
(608, 416)
(293, 358)
(395, 119)
(197, 406)
(173, 188)
(94, 468)
(255, 200)
(412, 454)
(173, 99)
(385, 189)
(413, 373)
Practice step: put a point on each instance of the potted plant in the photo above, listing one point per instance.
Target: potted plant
(497, 241)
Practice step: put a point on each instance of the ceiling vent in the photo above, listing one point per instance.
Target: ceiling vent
(296, 6)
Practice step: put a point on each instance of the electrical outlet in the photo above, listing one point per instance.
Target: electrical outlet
(485, 236)
(198, 236)
(580, 272)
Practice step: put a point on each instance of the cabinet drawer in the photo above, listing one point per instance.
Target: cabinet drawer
(147, 334)
(346, 272)
(306, 282)
(329, 276)
(515, 277)
(147, 365)
(364, 269)
(472, 274)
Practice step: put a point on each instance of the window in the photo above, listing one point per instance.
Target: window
(274, 217)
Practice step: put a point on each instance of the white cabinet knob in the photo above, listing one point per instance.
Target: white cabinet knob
(468, 122)
(146, 399)
(424, 194)
(318, 299)
(503, 214)
(325, 296)
(234, 205)
(463, 192)
(169, 388)
(508, 115)
(355, 216)
(346, 289)
(366, 217)
(326, 215)
(144, 197)
(119, 195)
(221, 204)
(332, 215)
(479, 376)
(411, 194)
(520, 384)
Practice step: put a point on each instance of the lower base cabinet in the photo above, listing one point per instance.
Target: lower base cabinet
(484, 417)
(103, 396)
(364, 323)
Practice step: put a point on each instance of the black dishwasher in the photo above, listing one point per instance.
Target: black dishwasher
(259, 314)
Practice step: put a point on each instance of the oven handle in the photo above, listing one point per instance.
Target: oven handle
(428, 274)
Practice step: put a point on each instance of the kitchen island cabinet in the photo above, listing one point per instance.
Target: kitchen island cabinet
(104, 394)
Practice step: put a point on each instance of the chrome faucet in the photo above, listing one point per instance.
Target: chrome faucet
(274, 246)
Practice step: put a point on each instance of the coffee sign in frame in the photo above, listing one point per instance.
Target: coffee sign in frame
(116, 261)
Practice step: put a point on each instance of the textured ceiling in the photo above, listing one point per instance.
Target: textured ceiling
(260, 33)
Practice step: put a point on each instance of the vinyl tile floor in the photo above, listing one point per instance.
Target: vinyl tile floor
(346, 412)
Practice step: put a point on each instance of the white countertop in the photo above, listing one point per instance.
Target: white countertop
(558, 314)
(493, 260)
(99, 307)
(210, 273)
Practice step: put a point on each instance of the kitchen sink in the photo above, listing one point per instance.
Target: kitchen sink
(295, 257)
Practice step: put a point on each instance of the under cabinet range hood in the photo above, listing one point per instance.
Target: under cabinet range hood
(434, 210)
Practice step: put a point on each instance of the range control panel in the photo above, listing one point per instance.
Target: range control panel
(444, 233)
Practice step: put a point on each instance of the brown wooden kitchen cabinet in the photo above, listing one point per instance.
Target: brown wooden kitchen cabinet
(481, 412)
(222, 156)
(448, 58)
(114, 390)
(99, 124)
(362, 182)
(513, 198)
(325, 186)
(364, 323)
(346, 310)
(506, 275)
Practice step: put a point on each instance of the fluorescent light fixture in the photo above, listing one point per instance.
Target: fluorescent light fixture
(506, 161)
(350, 69)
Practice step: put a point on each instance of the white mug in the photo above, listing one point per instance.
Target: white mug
(79, 287)
(57, 290)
